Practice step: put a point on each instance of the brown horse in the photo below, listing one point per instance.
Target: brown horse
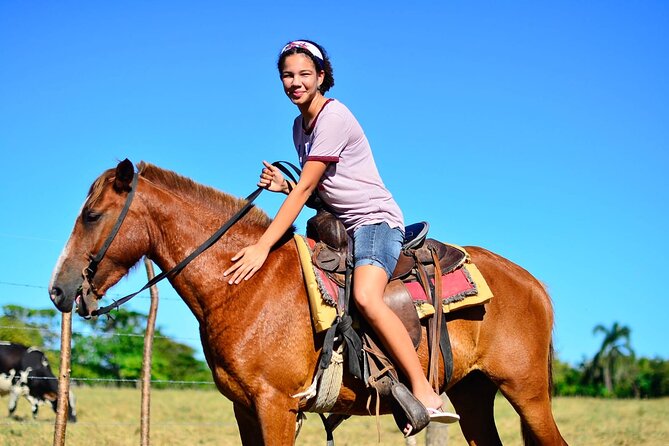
(257, 336)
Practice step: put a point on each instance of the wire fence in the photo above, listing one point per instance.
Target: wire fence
(164, 384)
(110, 335)
(121, 380)
(49, 424)
(111, 295)
(112, 380)
(102, 334)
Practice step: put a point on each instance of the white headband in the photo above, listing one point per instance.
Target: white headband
(313, 49)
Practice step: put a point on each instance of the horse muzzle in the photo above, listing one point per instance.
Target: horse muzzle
(60, 299)
(81, 296)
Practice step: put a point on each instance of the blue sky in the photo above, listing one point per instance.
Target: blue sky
(539, 131)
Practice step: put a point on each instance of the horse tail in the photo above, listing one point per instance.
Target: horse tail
(551, 352)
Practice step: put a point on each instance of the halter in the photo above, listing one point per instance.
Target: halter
(92, 268)
(90, 271)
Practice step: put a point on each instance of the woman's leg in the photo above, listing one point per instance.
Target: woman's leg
(369, 282)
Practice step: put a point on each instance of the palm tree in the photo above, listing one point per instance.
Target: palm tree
(613, 356)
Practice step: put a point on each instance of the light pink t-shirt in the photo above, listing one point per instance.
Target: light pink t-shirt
(351, 185)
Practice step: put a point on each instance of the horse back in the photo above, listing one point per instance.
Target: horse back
(514, 288)
(518, 320)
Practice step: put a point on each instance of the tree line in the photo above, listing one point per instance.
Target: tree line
(614, 371)
(113, 347)
(111, 352)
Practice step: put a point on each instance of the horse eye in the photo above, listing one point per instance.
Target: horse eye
(91, 216)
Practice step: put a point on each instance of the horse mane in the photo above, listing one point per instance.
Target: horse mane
(204, 195)
(98, 186)
(186, 188)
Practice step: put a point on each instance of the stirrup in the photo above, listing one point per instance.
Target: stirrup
(407, 410)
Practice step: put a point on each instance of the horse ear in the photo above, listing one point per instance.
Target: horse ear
(124, 173)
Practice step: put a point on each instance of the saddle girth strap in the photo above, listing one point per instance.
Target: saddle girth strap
(446, 351)
(436, 324)
(330, 423)
(432, 339)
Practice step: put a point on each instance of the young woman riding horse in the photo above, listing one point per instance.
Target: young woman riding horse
(337, 160)
(257, 335)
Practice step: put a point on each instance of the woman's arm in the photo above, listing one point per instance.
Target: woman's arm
(250, 259)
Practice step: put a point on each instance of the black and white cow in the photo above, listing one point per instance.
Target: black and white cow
(26, 372)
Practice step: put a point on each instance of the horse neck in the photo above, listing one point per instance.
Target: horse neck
(177, 227)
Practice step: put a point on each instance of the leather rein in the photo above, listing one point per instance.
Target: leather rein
(89, 272)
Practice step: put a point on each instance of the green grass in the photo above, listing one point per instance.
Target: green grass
(204, 417)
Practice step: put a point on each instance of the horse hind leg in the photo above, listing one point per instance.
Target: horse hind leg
(473, 398)
(536, 418)
(529, 394)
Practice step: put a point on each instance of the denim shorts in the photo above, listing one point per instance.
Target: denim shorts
(377, 244)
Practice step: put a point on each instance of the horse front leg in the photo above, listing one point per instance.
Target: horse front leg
(272, 423)
(249, 427)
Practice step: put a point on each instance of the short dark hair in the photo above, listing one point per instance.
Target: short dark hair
(325, 65)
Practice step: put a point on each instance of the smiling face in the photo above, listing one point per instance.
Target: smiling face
(301, 79)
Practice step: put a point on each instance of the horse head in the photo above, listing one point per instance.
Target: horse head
(103, 245)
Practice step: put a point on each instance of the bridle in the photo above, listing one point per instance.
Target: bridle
(89, 272)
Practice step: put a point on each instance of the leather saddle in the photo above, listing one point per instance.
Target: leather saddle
(331, 253)
(421, 259)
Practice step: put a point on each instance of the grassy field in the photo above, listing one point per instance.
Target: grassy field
(203, 417)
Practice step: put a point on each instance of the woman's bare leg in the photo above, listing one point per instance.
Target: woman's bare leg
(369, 282)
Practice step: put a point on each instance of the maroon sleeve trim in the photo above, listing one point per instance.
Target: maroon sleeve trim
(326, 159)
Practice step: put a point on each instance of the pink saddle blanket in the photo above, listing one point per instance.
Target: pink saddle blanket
(455, 286)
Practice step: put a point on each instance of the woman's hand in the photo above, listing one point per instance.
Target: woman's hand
(247, 262)
(250, 259)
(272, 179)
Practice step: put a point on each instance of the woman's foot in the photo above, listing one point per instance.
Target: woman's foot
(428, 397)
(436, 415)
(433, 404)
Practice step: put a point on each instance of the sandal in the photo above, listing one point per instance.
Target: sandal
(439, 416)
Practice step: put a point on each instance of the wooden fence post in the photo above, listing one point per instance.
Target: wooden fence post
(63, 379)
(146, 361)
(437, 434)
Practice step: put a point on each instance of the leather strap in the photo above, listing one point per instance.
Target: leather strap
(432, 336)
(95, 261)
(436, 323)
(199, 250)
